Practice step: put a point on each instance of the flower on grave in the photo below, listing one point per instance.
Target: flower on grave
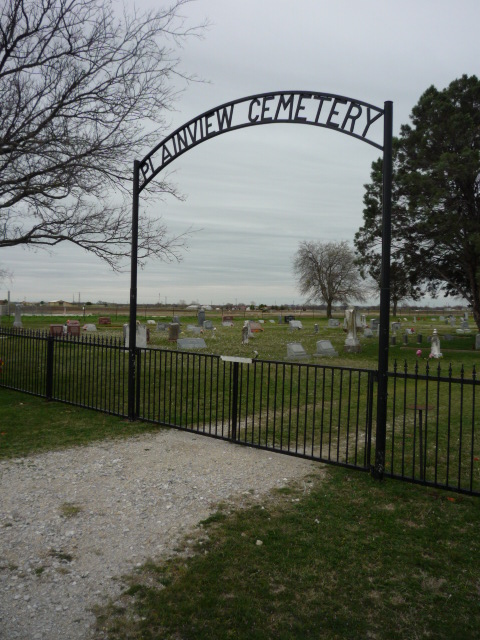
(419, 353)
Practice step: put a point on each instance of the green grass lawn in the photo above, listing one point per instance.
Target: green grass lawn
(30, 425)
(347, 558)
(271, 343)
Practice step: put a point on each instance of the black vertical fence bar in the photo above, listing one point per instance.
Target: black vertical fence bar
(138, 382)
(460, 436)
(369, 419)
(234, 407)
(437, 425)
(449, 423)
(314, 411)
(425, 433)
(339, 416)
(472, 441)
(49, 379)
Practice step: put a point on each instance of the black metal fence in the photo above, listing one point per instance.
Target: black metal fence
(315, 411)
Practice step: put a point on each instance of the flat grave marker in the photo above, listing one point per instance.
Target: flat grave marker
(191, 343)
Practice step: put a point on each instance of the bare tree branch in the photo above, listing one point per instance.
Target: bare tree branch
(83, 91)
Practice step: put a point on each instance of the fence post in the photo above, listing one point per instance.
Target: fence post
(382, 389)
(49, 380)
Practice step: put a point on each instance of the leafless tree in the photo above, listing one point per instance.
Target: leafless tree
(84, 88)
(326, 272)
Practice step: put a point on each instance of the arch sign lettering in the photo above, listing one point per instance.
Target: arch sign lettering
(352, 117)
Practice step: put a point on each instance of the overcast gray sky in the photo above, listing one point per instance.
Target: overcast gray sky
(254, 194)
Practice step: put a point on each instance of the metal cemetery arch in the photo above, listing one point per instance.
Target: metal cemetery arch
(346, 115)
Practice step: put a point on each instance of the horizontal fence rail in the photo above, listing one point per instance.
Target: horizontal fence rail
(88, 371)
(313, 411)
(310, 410)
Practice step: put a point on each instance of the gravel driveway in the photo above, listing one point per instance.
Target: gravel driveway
(72, 521)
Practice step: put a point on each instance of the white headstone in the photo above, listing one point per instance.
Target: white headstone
(17, 323)
(333, 322)
(140, 338)
(352, 343)
(296, 350)
(435, 346)
(325, 348)
(295, 324)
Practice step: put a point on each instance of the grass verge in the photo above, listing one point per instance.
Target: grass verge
(31, 425)
(351, 558)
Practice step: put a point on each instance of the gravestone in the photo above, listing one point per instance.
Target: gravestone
(208, 324)
(405, 339)
(453, 321)
(393, 340)
(90, 327)
(295, 324)
(162, 326)
(396, 326)
(141, 338)
(442, 318)
(295, 350)
(325, 348)
(363, 320)
(477, 342)
(287, 319)
(435, 346)
(352, 343)
(17, 323)
(246, 333)
(374, 323)
(465, 326)
(272, 321)
(56, 329)
(173, 331)
(333, 322)
(227, 321)
(315, 328)
(255, 327)
(367, 332)
(176, 320)
(194, 329)
(104, 320)
(74, 329)
(191, 343)
(201, 317)
(151, 322)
